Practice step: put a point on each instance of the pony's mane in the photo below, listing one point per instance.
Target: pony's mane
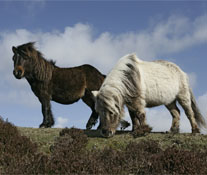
(42, 67)
(121, 84)
(31, 47)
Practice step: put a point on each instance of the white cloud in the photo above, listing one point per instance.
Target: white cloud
(159, 119)
(178, 33)
(77, 45)
(61, 122)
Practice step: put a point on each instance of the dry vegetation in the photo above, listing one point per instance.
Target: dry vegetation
(56, 151)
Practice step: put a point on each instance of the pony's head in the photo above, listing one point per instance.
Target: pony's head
(22, 59)
(110, 112)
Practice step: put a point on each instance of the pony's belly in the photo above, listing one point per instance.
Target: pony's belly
(159, 99)
(160, 94)
(153, 104)
(67, 95)
(65, 99)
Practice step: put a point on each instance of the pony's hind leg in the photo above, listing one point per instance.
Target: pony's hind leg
(88, 99)
(92, 120)
(175, 112)
(185, 102)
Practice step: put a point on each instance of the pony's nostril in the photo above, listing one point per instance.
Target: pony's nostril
(19, 72)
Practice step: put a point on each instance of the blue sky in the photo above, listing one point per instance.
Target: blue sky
(99, 33)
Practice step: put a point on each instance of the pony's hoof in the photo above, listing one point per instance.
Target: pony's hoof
(195, 131)
(140, 131)
(42, 126)
(174, 130)
(124, 124)
(90, 124)
(88, 127)
(45, 126)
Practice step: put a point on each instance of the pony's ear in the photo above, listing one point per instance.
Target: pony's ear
(14, 49)
(94, 93)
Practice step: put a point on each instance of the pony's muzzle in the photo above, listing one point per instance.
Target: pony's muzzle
(106, 133)
(18, 73)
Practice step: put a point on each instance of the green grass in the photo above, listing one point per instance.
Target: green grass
(45, 137)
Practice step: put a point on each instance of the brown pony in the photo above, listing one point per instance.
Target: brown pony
(50, 82)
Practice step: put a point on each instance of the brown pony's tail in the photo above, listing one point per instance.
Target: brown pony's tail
(198, 116)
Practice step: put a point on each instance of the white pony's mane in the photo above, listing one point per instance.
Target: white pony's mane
(120, 85)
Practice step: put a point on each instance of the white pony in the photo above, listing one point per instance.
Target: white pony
(139, 84)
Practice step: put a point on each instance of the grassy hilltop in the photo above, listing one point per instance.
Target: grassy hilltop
(45, 137)
(74, 151)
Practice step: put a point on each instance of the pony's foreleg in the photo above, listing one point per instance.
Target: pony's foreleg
(142, 118)
(144, 127)
(175, 112)
(48, 119)
(137, 113)
(135, 121)
(138, 118)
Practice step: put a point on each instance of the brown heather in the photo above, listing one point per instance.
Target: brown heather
(68, 155)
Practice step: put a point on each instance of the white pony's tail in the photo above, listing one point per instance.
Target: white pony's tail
(198, 116)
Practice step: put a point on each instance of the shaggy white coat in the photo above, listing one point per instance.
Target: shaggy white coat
(139, 84)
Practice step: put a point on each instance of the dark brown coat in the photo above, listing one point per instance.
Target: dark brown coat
(50, 82)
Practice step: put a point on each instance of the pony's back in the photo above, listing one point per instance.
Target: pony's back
(161, 81)
(158, 82)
